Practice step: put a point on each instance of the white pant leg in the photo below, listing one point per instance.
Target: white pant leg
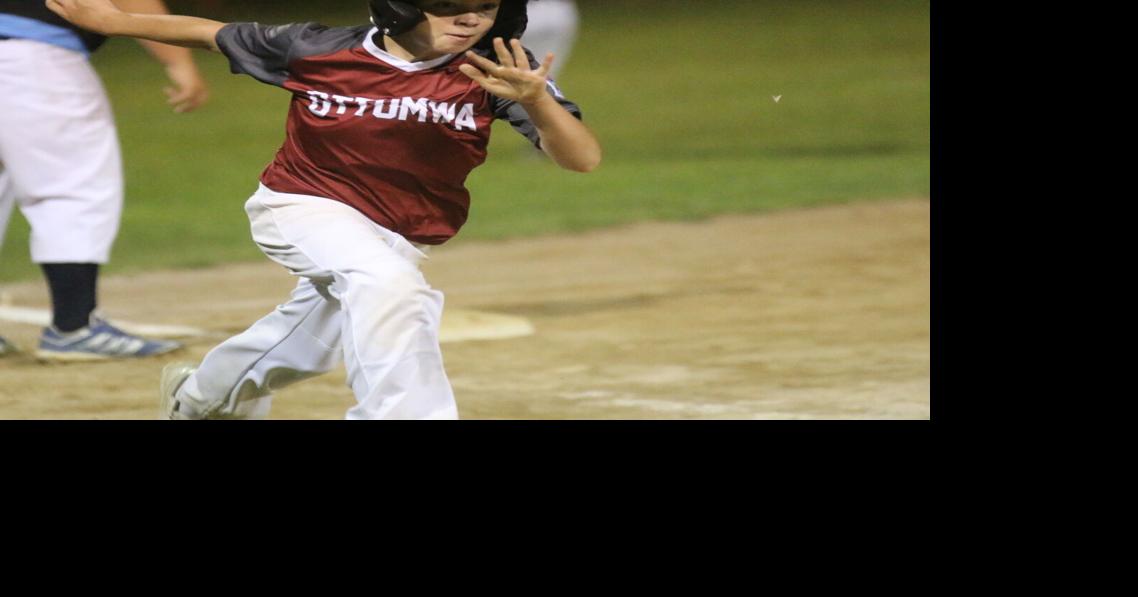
(552, 28)
(379, 306)
(299, 340)
(7, 200)
(391, 345)
(59, 144)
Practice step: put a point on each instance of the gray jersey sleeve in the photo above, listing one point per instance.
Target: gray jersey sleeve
(265, 52)
(260, 51)
(516, 115)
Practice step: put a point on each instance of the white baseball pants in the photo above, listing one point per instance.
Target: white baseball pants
(361, 299)
(59, 153)
(552, 28)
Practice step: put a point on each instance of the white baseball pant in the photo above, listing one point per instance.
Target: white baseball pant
(361, 299)
(552, 28)
(59, 153)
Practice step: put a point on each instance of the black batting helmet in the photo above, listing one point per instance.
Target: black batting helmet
(394, 17)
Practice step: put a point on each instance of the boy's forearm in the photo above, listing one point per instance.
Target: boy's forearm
(166, 54)
(189, 32)
(118, 17)
(564, 138)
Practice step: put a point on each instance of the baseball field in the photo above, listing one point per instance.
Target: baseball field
(756, 244)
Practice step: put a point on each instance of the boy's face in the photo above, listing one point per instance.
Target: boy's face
(454, 26)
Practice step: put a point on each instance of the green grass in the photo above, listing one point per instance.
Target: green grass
(681, 99)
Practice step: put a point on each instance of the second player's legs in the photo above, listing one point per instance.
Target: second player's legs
(59, 145)
(60, 154)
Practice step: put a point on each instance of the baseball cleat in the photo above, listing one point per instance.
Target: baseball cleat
(171, 408)
(97, 342)
(7, 348)
(173, 376)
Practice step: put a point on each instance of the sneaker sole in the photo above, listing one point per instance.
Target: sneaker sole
(72, 357)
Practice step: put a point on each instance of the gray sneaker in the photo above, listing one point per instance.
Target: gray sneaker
(99, 341)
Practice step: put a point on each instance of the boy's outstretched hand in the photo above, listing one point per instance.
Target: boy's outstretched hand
(512, 78)
(88, 14)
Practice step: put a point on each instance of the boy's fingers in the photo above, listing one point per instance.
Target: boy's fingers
(519, 55)
(473, 73)
(483, 63)
(504, 57)
(546, 65)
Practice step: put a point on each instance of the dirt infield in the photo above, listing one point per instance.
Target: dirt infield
(808, 314)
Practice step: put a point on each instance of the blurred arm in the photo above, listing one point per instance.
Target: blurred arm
(151, 21)
(164, 53)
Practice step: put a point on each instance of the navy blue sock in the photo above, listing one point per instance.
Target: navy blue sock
(72, 288)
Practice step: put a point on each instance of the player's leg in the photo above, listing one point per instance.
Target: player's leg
(11, 74)
(7, 187)
(552, 28)
(298, 340)
(391, 344)
(7, 190)
(391, 317)
(7, 199)
(377, 312)
(61, 148)
(62, 151)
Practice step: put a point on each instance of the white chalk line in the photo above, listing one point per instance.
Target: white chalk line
(42, 317)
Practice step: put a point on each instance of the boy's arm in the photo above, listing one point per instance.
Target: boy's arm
(189, 89)
(103, 17)
(564, 138)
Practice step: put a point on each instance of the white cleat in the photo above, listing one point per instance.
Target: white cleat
(173, 376)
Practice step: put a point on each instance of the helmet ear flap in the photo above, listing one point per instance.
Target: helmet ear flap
(393, 17)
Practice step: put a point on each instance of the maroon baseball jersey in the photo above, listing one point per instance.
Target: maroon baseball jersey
(393, 139)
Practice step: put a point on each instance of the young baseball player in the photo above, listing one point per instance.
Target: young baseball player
(385, 124)
(60, 162)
